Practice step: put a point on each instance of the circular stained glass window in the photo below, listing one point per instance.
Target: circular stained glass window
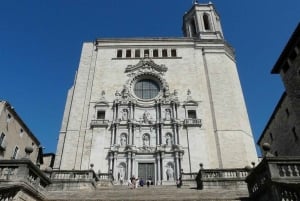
(146, 89)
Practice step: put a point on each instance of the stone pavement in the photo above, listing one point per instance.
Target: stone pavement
(166, 193)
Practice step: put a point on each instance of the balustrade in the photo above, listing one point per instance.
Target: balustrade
(16, 174)
(280, 172)
(73, 175)
(192, 122)
(223, 173)
(99, 123)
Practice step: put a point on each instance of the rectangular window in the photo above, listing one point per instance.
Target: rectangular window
(164, 53)
(101, 115)
(146, 53)
(173, 53)
(271, 137)
(128, 53)
(192, 114)
(287, 112)
(137, 53)
(8, 118)
(119, 54)
(295, 133)
(155, 53)
(21, 132)
(2, 138)
(15, 153)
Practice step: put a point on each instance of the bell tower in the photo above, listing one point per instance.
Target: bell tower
(202, 22)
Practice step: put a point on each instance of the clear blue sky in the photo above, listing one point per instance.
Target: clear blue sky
(40, 46)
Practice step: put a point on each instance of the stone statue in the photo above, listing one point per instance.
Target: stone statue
(123, 140)
(125, 115)
(168, 114)
(189, 95)
(125, 91)
(170, 173)
(121, 174)
(117, 94)
(168, 139)
(146, 140)
(146, 117)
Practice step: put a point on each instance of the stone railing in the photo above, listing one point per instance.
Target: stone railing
(211, 174)
(192, 122)
(64, 180)
(22, 174)
(105, 176)
(189, 179)
(278, 178)
(73, 175)
(221, 178)
(99, 123)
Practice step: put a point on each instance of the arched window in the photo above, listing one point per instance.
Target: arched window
(206, 21)
(193, 28)
(165, 53)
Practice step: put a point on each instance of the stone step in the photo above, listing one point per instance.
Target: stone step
(166, 193)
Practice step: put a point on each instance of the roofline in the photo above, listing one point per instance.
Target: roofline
(286, 51)
(282, 98)
(199, 5)
(8, 106)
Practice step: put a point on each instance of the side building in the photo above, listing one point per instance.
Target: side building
(282, 131)
(15, 136)
(153, 107)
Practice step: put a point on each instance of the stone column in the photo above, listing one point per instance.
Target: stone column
(130, 133)
(157, 123)
(110, 161)
(161, 165)
(129, 165)
(116, 132)
(158, 168)
(133, 164)
(115, 158)
(177, 165)
(113, 131)
(175, 137)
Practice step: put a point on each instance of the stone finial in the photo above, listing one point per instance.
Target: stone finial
(189, 95)
(253, 164)
(267, 147)
(92, 165)
(28, 151)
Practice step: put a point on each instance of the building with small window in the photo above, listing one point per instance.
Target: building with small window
(153, 107)
(282, 131)
(15, 136)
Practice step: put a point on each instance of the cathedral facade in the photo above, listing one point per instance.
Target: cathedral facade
(153, 107)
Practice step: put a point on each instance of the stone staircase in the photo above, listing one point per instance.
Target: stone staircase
(166, 193)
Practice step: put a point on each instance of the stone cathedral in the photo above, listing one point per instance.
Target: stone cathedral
(156, 107)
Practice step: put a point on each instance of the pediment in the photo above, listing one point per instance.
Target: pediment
(102, 104)
(190, 103)
(146, 63)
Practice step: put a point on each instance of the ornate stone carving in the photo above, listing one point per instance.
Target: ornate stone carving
(146, 149)
(146, 65)
(146, 119)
